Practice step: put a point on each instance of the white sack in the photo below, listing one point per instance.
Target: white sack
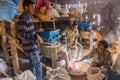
(94, 73)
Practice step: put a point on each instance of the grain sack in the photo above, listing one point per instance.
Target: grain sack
(62, 11)
(78, 68)
(3, 65)
(6, 79)
(53, 12)
(26, 75)
(8, 10)
(16, 1)
(74, 68)
(117, 64)
(57, 7)
(57, 74)
(94, 73)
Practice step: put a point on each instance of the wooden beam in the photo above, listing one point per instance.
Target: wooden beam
(15, 43)
(14, 50)
(4, 73)
(1, 27)
(4, 43)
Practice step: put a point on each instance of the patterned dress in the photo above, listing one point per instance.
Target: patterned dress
(100, 60)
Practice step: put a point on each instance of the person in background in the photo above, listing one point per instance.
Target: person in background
(29, 39)
(42, 3)
(71, 34)
(96, 36)
(100, 56)
(42, 10)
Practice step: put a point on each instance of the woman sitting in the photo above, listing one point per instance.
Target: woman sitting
(42, 8)
(100, 56)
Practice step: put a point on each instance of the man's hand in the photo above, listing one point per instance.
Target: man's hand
(40, 39)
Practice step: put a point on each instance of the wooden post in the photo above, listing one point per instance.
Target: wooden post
(54, 24)
(4, 43)
(54, 55)
(14, 50)
(1, 27)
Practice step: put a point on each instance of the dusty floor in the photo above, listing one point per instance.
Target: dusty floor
(25, 65)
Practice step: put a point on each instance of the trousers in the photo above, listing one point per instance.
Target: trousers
(35, 64)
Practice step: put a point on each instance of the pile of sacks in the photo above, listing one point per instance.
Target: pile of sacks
(26, 75)
(57, 11)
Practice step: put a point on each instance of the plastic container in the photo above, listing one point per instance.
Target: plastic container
(84, 26)
(50, 35)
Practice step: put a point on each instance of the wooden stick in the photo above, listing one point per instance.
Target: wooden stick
(15, 43)
(46, 67)
(1, 27)
(4, 73)
(14, 50)
(4, 44)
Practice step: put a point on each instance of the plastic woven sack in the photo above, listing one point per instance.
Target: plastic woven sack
(8, 10)
(6, 79)
(117, 64)
(57, 74)
(15, 1)
(94, 73)
(26, 75)
(3, 65)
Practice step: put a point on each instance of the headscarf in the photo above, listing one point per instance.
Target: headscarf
(105, 44)
(40, 4)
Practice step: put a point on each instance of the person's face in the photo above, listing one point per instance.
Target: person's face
(75, 27)
(100, 46)
(30, 9)
(45, 1)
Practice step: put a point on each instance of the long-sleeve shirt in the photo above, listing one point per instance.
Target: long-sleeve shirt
(26, 33)
(41, 4)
